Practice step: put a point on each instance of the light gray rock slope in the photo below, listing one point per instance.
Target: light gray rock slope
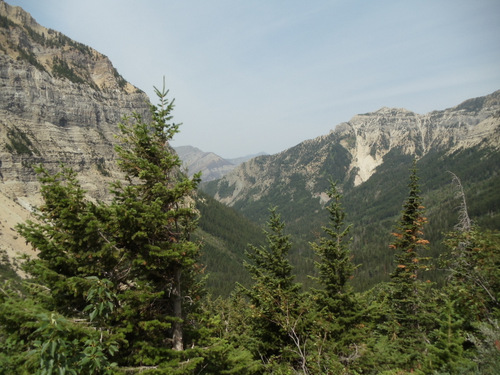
(60, 102)
(359, 147)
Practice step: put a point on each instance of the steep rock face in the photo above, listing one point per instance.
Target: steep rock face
(352, 152)
(60, 102)
(49, 120)
(377, 133)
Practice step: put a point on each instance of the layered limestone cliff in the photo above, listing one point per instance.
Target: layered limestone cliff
(60, 103)
(353, 150)
(375, 134)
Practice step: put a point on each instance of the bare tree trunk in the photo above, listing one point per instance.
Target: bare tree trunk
(177, 326)
(464, 221)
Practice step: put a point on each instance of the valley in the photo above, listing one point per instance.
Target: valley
(344, 254)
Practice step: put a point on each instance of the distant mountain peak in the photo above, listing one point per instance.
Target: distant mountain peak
(211, 165)
(392, 111)
(353, 151)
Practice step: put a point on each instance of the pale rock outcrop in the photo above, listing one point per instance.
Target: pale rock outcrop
(360, 146)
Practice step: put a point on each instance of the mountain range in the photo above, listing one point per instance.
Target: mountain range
(354, 150)
(211, 165)
(369, 158)
(61, 101)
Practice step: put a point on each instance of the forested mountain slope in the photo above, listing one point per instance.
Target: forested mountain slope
(117, 286)
(61, 102)
(369, 157)
(225, 235)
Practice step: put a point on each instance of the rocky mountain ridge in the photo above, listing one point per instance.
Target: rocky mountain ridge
(23, 39)
(211, 165)
(352, 151)
(60, 103)
(369, 157)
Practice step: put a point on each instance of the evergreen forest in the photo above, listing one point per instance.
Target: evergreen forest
(121, 287)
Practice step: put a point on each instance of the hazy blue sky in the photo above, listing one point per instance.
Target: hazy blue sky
(251, 76)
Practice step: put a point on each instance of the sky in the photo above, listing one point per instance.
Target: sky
(252, 76)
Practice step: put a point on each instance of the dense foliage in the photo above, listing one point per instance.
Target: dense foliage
(224, 235)
(373, 206)
(118, 287)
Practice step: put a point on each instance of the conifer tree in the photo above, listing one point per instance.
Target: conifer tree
(338, 310)
(408, 246)
(410, 302)
(154, 218)
(335, 267)
(69, 234)
(446, 352)
(473, 261)
(273, 297)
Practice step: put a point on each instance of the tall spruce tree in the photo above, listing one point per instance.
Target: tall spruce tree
(273, 297)
(411, 307)
(154, 217)
(409, 243)
(339, 313)
(335, 266)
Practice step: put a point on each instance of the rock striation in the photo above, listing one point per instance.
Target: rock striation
(352, 151)
(60, 103)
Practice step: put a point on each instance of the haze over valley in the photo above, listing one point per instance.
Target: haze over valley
(363, 243)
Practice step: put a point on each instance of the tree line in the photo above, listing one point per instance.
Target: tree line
(117, 288)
